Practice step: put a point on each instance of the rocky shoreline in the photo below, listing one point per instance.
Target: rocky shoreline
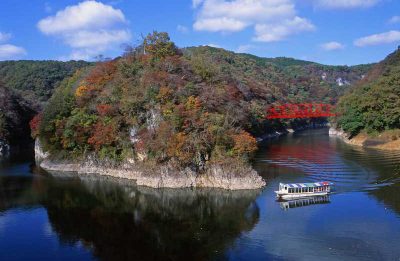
(365, 141)
(217, 176)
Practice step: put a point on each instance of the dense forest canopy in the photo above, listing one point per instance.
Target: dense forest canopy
(374, 104)
(184, 107)
(36, 80)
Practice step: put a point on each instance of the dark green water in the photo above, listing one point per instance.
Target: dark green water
(46, 218)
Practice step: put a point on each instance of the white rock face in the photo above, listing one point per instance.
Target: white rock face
(336, 132)
(40, 154)
(323, 76)
(133, 131)
(163, 177)
(341, 134)
(339, 81)
(4, 148)
(153, 119)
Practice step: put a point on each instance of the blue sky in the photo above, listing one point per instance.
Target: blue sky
(326, 31)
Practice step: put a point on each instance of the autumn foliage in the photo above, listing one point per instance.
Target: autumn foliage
(101, 73)
(81, 91)
(150, 103)
(105, 109)
(35, 124)
(103, 134)
(244, 143)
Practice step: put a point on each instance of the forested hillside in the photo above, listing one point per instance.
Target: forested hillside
(25, 86)
(301, 79)
(36, 80)
(374, 104)
(187, 108)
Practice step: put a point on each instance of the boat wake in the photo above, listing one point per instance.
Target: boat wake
(349, 169)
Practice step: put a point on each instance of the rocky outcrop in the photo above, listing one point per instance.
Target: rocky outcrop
(335, 132)
(216, 176)
(40, 154)
(163, 177)
(345, 137)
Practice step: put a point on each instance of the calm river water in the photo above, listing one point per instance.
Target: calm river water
(46, 218)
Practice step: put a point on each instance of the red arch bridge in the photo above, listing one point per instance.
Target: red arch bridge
(304, 110)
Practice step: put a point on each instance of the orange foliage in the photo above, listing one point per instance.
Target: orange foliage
(244, 143)
(103, 134)
(81, 90)
(104, 109)
(156, 78)
(101, 73)
(193, 103)
(164, 94)
(179, 148)
(171, 63)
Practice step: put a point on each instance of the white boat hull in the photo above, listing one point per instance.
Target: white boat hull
(299, 195)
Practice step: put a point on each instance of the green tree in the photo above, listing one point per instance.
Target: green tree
(159, 45)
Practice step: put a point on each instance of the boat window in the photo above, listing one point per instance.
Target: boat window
(285, 188)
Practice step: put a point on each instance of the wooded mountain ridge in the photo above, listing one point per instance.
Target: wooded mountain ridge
(373, 104)
(32, 83)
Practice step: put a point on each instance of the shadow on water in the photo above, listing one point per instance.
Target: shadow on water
(48, 218)
(116, 220)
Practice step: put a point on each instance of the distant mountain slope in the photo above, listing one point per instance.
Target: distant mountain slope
(36, 80)
(307, 81)
(374, 103)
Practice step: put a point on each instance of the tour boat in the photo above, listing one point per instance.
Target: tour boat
(300, 190)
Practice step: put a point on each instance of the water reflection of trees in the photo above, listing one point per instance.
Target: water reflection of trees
(17, 192)
(385, 186)
(124, 222)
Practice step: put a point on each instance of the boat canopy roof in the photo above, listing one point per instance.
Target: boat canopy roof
(304, 185)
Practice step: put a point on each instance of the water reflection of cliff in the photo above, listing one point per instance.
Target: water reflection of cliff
(124, 222)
